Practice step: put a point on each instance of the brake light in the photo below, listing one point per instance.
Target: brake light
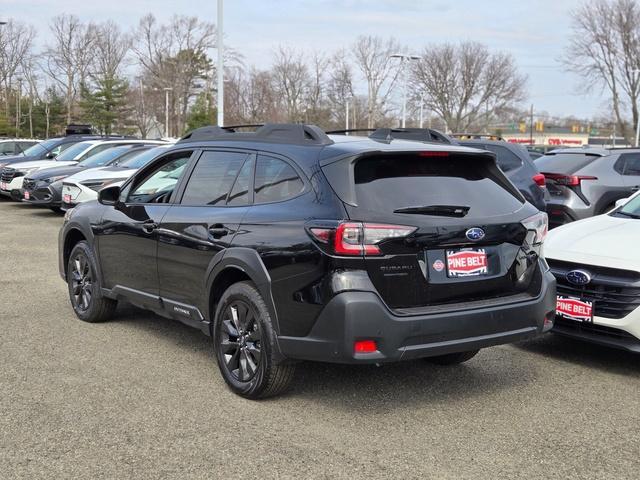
(539, 225)
(433, 154)
(355, 238)
(568, 180)
(540, 180)
(365, 346)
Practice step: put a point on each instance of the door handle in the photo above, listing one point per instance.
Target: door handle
(218, 230)
(149, 227)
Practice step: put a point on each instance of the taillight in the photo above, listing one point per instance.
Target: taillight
(568, 180)
(540, 180)
(357, 239)
(433, 154)
(539, 225)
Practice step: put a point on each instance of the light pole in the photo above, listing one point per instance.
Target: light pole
(421, 109)
(220, 67)
(636, 71)
(166, 110)
(18, 112)
(404, 59)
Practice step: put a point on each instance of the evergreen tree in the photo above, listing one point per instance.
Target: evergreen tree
(200, 114)
(105, 105)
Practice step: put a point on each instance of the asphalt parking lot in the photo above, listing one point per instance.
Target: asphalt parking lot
(141, 397)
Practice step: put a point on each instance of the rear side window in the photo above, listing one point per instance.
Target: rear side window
(564, 162)
(275, 180)
(505, 158)
(388, 183)
(629, 164)
(212, 178)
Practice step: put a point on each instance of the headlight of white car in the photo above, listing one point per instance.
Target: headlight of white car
(99, 184)
(538, 226)
(26, 171)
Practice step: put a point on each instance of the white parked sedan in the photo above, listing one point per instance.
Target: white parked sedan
(596, 262)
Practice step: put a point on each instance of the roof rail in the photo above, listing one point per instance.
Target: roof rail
(389, 134)
(294, 133)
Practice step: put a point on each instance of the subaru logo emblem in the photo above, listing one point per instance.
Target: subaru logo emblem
(578, 277)
(474, 234)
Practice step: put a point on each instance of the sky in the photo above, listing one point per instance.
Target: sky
(535, 32)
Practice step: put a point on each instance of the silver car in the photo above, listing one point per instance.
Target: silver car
(583, 182)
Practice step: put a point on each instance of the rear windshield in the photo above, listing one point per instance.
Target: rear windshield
(564, 162)
(385, 184)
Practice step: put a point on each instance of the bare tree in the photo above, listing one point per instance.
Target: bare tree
(175, 56)
(605, 49)
(16, 42)
(291, 79)
(461, 83)
(372, 56)
(68, 58)
(340, 92)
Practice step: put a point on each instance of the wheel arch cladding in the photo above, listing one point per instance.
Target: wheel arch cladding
(240, 264)
(73, 237)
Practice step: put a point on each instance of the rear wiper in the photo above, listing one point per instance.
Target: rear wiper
(627, 214)
(438, 210)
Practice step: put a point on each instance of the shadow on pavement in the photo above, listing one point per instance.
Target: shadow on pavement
(591, 355)
(366, 386)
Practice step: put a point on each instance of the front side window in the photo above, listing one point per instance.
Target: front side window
(158, 186)
(275, 180)
(7, 148)
(213, 177)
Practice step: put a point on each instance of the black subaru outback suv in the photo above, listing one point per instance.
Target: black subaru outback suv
(287, 244)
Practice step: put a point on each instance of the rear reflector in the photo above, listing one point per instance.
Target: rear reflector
(365, 346)
(321, 234)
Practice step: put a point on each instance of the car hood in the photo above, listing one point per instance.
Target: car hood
(41, 164)
(99, 173)
(54, 172)
(603, 241)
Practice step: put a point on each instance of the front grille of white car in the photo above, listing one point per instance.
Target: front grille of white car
(615, 292)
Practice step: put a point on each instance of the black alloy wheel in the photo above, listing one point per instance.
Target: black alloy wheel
(81, 282)
(240, 341)
(246, 346)
(85, 292)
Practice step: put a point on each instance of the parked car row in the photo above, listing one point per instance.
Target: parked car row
(289, 243)
(37, 176)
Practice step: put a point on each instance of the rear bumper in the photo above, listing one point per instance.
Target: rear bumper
(353, 316)
(560, 214)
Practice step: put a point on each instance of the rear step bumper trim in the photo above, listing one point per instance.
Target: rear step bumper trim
(352, 316)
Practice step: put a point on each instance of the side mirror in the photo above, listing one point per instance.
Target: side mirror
(109, 195)
(621, 202)
(51, 155)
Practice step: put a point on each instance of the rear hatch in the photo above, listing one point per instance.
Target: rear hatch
(465, 240)
(560, 171)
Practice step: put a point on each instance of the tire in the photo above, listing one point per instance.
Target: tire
(244, 344)
(85, 291)
(453, 358)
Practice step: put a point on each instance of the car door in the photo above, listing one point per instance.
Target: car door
(127, 234)
(203, 223)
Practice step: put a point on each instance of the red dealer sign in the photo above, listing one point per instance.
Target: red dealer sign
(574, 309)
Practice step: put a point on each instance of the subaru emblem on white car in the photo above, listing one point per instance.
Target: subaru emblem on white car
(578, 277)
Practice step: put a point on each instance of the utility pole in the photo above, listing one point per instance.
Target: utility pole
(220, 67)
(531, 127)
(346, 121)
(166, 110)
(144, 119)
(421, 109)
(404, 59)
(18, 112)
